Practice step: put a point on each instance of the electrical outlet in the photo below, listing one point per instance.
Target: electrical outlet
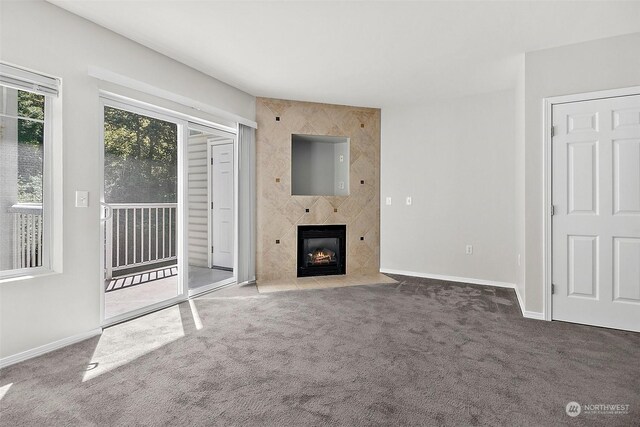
(388, 201)
(341, 158)
(409, 201)
(469, 249)
(341, 185)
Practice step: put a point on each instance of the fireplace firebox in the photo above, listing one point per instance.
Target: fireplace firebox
(321, 250)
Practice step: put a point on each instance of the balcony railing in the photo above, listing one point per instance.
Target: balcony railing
(27, 235)
(139, 234)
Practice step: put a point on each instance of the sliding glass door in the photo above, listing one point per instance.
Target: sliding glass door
(211, 215)
(141, 215)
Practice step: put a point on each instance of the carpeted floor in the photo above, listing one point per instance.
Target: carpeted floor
(420, 352)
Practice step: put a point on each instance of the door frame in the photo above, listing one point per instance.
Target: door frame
(233, 135)
(547, 122)
(210, 145)
(183, 122)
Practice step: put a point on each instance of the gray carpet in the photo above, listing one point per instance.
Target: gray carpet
(422, 352)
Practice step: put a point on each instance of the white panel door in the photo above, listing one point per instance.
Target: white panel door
(596, 225)
(222, 205)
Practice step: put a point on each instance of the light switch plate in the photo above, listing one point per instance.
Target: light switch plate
(388, 201)
(409, 201)
(82, 199)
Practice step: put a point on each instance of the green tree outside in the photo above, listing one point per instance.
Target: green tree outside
(141, 158)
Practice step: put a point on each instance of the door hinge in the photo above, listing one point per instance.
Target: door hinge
(553, 289)
(211, 205)
(211, 249)
(553, 210)
(553, 131)
(212, 161)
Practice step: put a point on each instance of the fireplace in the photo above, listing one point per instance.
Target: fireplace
(321, 250)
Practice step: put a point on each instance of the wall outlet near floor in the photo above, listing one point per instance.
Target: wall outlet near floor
(468, 249)
(409, 201)
(388, 201)
(341, 185)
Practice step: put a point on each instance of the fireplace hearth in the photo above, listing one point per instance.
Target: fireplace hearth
(321, 250)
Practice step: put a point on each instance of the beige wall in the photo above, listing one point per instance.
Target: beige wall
(279, 213)
(456, 159)
(586, 67)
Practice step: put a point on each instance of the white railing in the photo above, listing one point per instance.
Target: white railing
(27, 235)
(139, 234)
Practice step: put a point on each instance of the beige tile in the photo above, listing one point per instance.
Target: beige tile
(323, 282)
(278, 213)
(267, 287)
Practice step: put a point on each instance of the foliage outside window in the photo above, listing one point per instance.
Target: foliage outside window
(141, 158)
(30, 146)
(22, 139)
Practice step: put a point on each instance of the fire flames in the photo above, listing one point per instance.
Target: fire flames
(321, 256)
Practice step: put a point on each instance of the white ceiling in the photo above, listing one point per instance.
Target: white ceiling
(358, 53)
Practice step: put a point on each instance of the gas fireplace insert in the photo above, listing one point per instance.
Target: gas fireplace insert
(321, 250)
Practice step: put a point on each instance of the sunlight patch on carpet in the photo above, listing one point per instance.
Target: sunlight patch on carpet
(4, 389)
(196, 317)
(126, 342)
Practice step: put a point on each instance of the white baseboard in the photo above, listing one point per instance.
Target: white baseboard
(527, 314)
(533, 315)
(449, 278)
(39, 351)
(520, 300)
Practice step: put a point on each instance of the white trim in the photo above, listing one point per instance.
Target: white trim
(209, 204)
(520, 300)
(102, 219)
(142, 108)
(47, 348)
(130, 83)
(590, 96)
(139, 312)
(52, 195)
(547, 122)
(527, 314)
(469, 280)
(533, 315)
(159, 112)
(201, 290)
(25, 79)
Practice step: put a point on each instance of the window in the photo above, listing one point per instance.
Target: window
(25, 166)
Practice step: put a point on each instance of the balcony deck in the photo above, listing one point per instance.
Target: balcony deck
(127, 293)
(137, 236)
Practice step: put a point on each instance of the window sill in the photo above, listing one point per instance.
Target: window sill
(25, 274)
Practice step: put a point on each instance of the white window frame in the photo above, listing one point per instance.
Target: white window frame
(52, 204)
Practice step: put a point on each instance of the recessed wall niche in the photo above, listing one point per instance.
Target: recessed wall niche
(319, 165)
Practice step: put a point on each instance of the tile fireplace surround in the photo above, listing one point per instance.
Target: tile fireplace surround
(279, 213)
